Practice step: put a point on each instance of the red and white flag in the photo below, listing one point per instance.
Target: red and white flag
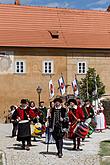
(51, 89)
(75, 87)
(62, 86)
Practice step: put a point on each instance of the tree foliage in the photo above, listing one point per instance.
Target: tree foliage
(91, 86)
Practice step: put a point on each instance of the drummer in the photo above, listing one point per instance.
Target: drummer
(24, 133)
(88, 110)
(75, 116)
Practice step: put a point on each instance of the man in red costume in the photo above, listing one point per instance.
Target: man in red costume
(24, 132)
(75, 116)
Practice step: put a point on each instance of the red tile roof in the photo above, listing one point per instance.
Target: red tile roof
(29, 26)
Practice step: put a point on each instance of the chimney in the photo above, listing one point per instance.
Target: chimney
(17, 2)
(108, 9)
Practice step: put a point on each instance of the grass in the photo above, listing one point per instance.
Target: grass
(105, 152)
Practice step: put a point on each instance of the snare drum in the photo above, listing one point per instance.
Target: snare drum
(81, 130)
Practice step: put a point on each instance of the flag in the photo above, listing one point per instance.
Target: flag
(51, 89)
(75, 87)
(62, 86)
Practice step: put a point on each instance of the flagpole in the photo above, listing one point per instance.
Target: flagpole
(96, 94)
(87, 89)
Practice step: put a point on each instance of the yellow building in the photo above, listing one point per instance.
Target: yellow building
(40, 43)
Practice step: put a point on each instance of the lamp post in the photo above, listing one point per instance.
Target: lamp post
(39, 89)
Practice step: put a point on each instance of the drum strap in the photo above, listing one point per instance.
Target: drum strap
(86, 111)
(74, 118)
(73, 115)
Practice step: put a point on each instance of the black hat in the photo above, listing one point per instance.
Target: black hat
(73, 101)
(23, 101)
(58, 99)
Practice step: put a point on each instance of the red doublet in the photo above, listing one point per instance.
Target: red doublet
(32, 113)
(78, 113)
(88, 110)
(20, 113)
(72, 123)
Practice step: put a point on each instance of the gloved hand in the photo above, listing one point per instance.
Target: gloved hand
(50, 130)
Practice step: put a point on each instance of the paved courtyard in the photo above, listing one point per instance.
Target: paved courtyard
(38, 156)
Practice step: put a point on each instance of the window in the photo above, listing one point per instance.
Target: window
(20, 66)
(81, 67)
(54, 34)
(47, 67)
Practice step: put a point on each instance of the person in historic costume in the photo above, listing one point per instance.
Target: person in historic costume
(89, 116)
(43, 117)
(34, 113)
(24, 132)
(100, 118)
(43, 109)
(49, 138)
(76, 115)
(14, 120)
(59, 121)
(88, 110)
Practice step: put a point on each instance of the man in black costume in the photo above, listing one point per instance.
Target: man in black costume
(59, 122)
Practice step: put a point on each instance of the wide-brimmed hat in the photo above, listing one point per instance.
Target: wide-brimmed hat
(73, 101)
(57, 100)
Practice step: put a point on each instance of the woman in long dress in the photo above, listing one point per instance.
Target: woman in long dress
(100, 118)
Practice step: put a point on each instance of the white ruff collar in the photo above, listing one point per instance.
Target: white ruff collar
(23, 107)
(58, 107)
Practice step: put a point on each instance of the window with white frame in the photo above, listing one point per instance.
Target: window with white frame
(81, 68)
(20, 66)
(48, 67)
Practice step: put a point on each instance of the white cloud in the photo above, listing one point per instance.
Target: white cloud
(99, 2)
(99, 8)
(7, 1)
(102, 2)
(53, 4)
(59, 4)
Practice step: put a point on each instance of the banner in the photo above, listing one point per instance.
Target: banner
(51, 89)
(62, 86)
(75, 87)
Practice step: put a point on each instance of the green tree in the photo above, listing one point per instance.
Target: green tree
(91, 86)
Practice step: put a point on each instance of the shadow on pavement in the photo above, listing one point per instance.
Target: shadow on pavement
(18, 147)
(48, 153)
(15, 148)
(68, 148)
(9, 136)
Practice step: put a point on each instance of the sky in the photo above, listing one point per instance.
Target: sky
(77, 4)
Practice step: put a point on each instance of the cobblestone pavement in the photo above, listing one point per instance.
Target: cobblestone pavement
(38, 156)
